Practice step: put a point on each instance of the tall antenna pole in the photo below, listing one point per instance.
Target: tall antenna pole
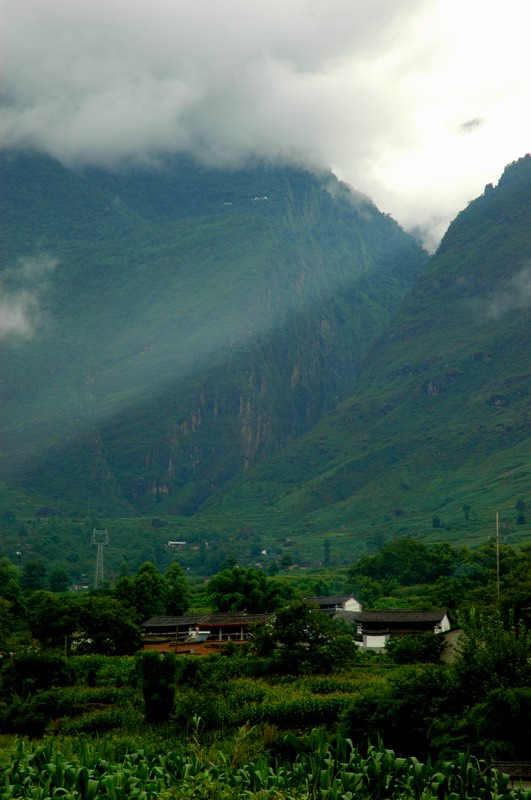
(101, 540)
(498, 555)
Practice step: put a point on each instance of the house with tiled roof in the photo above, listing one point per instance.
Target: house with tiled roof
(374, 628)
(334, 603)
(191, 629)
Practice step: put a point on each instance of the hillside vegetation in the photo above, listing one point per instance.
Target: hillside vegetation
(184, 323)
(435, 438)
(259, 364)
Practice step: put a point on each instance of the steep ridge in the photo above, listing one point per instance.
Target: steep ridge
(181, 323)
(435, 438)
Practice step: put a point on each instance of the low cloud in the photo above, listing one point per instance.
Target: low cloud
(22, 290)
(377, 91)
(516, 296)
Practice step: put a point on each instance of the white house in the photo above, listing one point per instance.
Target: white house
(331, 605)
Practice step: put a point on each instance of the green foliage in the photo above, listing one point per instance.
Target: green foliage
(426, 648)
(144, 592)
(242, 298)
(59, 580)
(177, 596)
(103, 670)
(491, 655)
(245, 589)
(500, 721)
(328, 770)
(157, 681)
(301, 639)
(106, 626)
(407, 561)
(28, 673)
(402, 710)
(33, 576)
(9, 583)
(52, 619)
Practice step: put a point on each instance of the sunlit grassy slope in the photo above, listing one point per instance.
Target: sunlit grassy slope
(439, 417)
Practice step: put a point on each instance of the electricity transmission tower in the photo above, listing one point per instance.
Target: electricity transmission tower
(101, 540)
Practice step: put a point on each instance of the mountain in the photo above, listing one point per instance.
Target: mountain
(434, 440)
(167, 327)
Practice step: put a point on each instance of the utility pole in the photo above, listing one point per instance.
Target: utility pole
(498, 555)
(100, 539)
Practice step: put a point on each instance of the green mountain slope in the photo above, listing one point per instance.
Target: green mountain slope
(435, 438)
(177, 325)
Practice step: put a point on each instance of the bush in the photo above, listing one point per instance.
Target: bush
(424, 649)
(402, 711)
(156, 673)
(29, 673)
(500, 722)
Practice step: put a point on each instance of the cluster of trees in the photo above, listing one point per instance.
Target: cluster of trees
(246, 589)
(439, 575)
(108, 620)
(482, 700)
(104, 621)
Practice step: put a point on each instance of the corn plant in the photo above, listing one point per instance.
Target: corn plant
(321, 770)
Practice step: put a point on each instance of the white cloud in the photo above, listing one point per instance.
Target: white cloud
(516, 295)
(418, 103)
(22, 289)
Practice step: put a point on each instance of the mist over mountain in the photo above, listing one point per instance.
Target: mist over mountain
(164, 329)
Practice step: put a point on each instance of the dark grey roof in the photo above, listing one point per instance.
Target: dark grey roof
(399, 615)
(191, 620)
(335, 600)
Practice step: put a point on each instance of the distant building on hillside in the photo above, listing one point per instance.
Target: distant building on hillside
(334, 603)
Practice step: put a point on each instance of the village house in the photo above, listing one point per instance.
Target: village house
(374, 628)
(334, 603)
(178, 634)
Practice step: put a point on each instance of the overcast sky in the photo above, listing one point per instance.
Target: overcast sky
(417, 103)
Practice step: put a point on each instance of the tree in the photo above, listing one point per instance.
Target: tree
(59, 580)
(9, 584)
(33, 576)
(424, 649)
(52, 619)
(7, 624)
(157, 682)
(491, 655)
(145, 592)
(107, 627)
(177, 591)
(407, 561)
(481, 562)
(245, 589)
(303, 639)
(28, 673)
(401, 711)
(515, 598)
(148, 591)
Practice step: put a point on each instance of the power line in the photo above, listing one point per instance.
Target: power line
(100, 539)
